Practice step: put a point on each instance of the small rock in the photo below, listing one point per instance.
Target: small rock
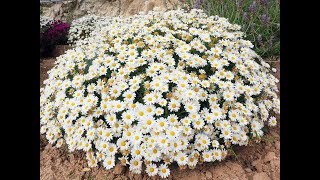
(277, 145)
(208, 175)
(270, 156)
(118, 169)
(258, 165)
(261, 176)
(248, 170)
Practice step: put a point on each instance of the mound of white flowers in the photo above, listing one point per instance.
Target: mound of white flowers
(158, 89)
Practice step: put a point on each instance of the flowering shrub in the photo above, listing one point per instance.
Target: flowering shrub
(82, 27)
(52, 33)
(158, 89)
(57, 33)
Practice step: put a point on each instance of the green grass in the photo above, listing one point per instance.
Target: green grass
(264, 36)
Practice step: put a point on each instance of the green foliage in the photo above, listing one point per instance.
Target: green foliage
(260, 20)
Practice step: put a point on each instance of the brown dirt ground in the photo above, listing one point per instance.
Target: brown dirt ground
(255, 161)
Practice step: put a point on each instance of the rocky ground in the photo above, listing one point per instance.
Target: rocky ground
(254, 162)
(71, 9)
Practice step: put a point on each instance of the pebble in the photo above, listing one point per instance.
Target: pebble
(248, 170)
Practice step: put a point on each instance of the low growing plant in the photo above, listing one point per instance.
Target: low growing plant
(159, 89)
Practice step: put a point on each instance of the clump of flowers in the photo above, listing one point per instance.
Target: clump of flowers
(82, 27)
(52, 32)
(58, 31)
(158, 89)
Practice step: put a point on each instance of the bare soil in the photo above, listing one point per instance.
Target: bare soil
(255, 162)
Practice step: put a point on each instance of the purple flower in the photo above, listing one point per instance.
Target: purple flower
(203, 1)
(253, 7)
(54, 34)
(196, 4)
(245, 16)
(264, 19)
(57, 32)
(265, 2)
(240, 4)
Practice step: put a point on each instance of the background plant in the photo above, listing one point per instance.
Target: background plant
(52, 33)
(82, 27)
(260, 20)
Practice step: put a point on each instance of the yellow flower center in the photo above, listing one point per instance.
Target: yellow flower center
(123, 143)
(111, 149)
(172, 133)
